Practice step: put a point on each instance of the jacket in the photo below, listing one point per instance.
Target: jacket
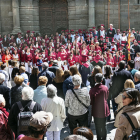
(100, 63)
(5, 131)
(16, 94)
(124, 127)
(75, 108)
(59, 87)
(91, 79)
(118, 101)
(67, 84)
(53, 68)
(33, 81)
(119, 78)
(5, 91)
(40, 93)
(50, 75)
(56, 106)
(12, 119)
(137, 85)
(99, 95)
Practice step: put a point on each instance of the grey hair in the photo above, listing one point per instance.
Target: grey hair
(27, 93)
(2, 77)
(76, 80)
(137, 75)
(51, 91)
(45, 65)
(75, 137)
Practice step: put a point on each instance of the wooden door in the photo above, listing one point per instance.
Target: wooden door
(53, 16)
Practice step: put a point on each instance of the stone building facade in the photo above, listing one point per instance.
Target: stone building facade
(48, 16)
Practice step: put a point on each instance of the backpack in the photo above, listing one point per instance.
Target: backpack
(23, 118)
(135, 132)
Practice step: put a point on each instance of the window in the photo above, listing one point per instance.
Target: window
(138, 1)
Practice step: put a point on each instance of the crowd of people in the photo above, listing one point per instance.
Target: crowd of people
(71, 78)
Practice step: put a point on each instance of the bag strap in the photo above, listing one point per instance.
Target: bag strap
(79, 99)
(120, 109)
(20, 106)
(129, 120)
(32, 105)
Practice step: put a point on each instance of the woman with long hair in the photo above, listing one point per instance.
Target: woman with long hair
(91, 78)
(33, 78)
(58, 82)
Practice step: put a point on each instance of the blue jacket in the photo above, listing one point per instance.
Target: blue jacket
(39, 93)
(39, 62)
(67, 84)
(50, 75)
(137, 86)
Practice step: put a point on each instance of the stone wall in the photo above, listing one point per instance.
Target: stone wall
(101, 13)
(6, 17)
(29, 15)
(78, 14)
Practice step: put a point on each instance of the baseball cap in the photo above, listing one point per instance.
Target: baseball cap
(41, 120)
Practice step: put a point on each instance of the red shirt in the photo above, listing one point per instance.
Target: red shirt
(28, 57)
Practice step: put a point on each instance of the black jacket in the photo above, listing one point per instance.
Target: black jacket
(59, 87)
(12, 119)
(16, 94)
(111, 33)
(136, 48)
(5, 91)
(50, 75)
(118, 80)
(53, 68)
(33, 81)
(91, 79)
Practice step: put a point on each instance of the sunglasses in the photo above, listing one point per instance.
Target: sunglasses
(124, 97)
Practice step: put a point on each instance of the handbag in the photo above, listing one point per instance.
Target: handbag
(89, 108)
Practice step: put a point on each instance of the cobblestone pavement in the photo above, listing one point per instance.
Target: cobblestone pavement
(110, 129)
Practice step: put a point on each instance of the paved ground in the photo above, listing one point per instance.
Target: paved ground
(110, 128)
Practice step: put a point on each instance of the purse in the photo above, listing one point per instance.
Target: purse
(89, 108)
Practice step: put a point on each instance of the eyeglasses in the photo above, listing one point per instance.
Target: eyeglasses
(124, 97)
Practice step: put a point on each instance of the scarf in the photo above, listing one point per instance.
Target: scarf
(4, 111)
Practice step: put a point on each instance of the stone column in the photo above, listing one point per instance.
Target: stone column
(91, 7)
(16, 19)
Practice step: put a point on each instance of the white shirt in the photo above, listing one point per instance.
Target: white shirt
(102, 33)
(18, 40)
(117, 36)
(112, 47)
(73, 37)
(123, 38)
(5, 83)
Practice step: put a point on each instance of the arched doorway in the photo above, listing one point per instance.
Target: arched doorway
(53, 15)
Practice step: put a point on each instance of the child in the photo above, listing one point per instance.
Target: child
(59, 62)
(65, 66)
(137, 61)
(39, 63)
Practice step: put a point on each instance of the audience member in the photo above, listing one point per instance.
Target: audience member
(128, 84)
(137, 80)
(75, 137)
(41, 91)
(33, 78)
(54, 104)
(100, 110)
(5, 131)
(27, 98)
(119, 78)
(39, 124)
(23, 74)
(5, 91)
(3, 70)
(91, 79)
(16, 91)
(132, 108)
(54, 67)
(58, 82)
(50, 75)
(77, 113)
(131, 65)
